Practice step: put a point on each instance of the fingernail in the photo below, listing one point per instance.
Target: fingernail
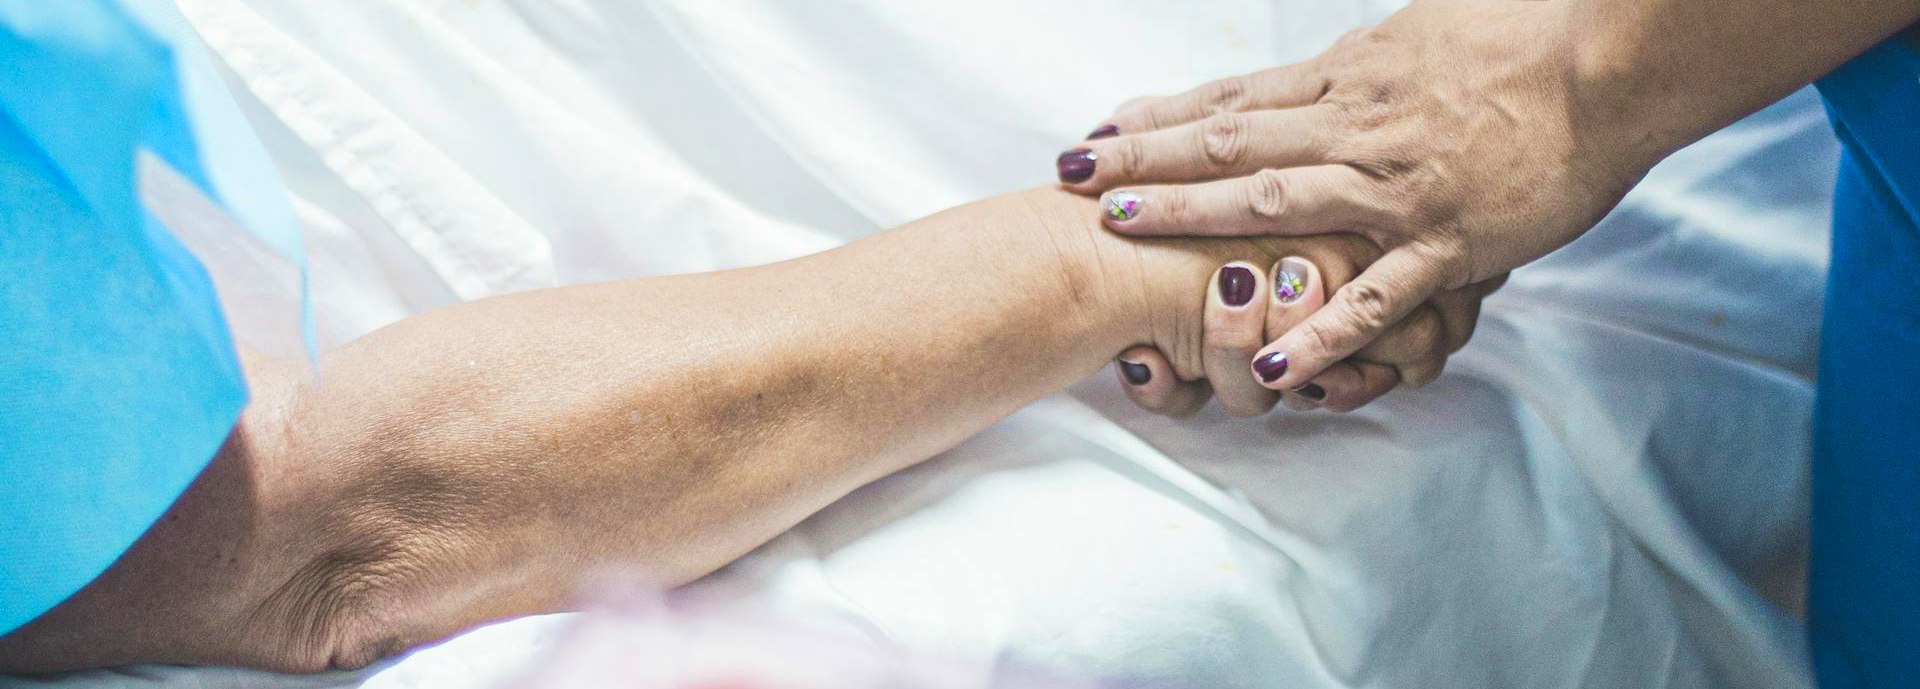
(1076, 165)
(1136, 374)
(1271, 366)
(1121, 205)
(1290, 280)
(1236, 285)
(1104, 132)
(1311, 391)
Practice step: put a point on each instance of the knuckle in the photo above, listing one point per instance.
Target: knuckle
(1129, 157)
(1422, 375)
(1224, 140)
(1445, 251)
(1365, 108)
(1174, 206)
(1421, 334)
(1377, 91)
(1353, 37)
(1458, 340)
(1228, 342)
(1370, 306)
(1225, 95)
(1380, 157)
(1317, 336)
(1267, 195)
(1155, 113)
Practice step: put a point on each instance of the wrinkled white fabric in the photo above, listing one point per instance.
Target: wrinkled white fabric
(1607, 489)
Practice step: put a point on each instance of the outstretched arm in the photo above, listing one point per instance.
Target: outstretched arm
(473, 462)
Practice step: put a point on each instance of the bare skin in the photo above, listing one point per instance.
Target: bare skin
(473, 463)
(1465, 138)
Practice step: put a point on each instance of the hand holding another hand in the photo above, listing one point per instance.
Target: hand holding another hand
(1447, 136)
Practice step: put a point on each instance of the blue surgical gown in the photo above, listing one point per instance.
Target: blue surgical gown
(1864, 597)
(118, 379)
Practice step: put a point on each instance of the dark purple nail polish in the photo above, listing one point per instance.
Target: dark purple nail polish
(1312, 392)
(1136, 374)
(1076, 165)
(1236, 285)
(1104, 132)
(1271, 366)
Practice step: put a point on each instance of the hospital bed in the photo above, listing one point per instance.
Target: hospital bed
(1607, 489)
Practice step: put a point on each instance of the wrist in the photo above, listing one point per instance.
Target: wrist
(1650, 77)
(1131, 291)
(1097, 282)
(1625, 111)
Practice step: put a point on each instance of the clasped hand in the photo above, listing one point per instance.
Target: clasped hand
(1444, 136)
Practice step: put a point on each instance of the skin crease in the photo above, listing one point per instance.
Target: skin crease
(474, 462)
(1405, 133)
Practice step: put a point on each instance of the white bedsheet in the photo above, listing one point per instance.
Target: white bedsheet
(1607, 489)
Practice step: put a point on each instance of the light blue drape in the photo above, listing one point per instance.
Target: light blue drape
(118, 378)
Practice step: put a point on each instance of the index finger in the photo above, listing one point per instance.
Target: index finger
(1280, 87)
(1356, 315)
(1218, 147)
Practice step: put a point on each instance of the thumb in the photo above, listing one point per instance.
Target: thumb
(1356, 315)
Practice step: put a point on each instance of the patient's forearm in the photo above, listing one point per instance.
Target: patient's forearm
(672, 424)
(473, 462)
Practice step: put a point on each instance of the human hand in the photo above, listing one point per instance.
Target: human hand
(1198, 309)
(1246, 307)
(1404, 134)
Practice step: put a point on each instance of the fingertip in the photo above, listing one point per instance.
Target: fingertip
(1337, 384)
(1151, 211)
(1233, 329)
(1159, 391)
(1270, 367)
(1145, 386)
(1351, 385)
(1235, 285)
(1315, 343)
(1295, 292)
(1296, 281)
(1130, 116)
(1118, 209)
(1075, 166)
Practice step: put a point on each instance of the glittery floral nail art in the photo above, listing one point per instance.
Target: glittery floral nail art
(1290, 281)
(1122, 205)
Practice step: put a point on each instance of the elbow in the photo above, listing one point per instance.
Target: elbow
(341, 610)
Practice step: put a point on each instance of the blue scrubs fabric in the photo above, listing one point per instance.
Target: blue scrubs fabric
(118, 379)
(1864, 597)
